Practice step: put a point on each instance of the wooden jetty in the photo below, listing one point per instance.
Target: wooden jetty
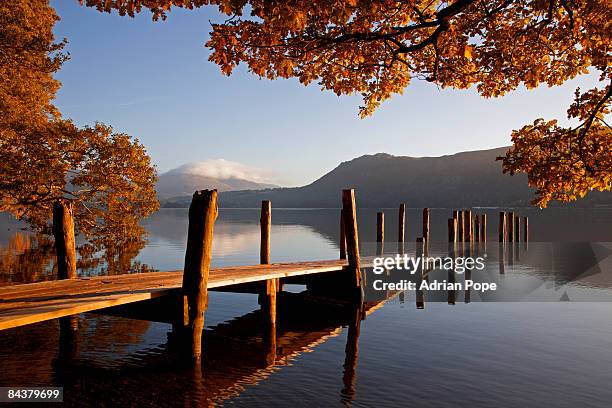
(36, 302)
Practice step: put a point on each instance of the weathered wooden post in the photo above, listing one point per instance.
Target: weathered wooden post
(65, 247)
(342, 236)
(517, 228)
(452, 230)
(426, 225)
(460, 233)
(268, 293)
(265, 222)
(483, 228)
(401, 224)
(380, 233)
(510, 233)
(502, 227)
(202, 215)
(355, 284)
(469, 228)
(477, 228)
(526, 228)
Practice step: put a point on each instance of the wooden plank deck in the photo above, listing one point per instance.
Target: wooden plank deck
(36, 302)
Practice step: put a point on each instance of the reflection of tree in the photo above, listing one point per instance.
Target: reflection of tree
(27, 258)
(113, 259)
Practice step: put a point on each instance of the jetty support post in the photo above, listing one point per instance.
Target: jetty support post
(426, 225)
(526, 229)
(63, 232)
(460, 233)
(502, 227)
(202, 215)
(342, 236)
(517, 228)
(469, 227)
(477, 228)
(271, 286)
(510, 221)
(483, 227)
(354, 286)
(380, 233)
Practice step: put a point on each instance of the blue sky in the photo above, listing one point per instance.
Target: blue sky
(153, 81)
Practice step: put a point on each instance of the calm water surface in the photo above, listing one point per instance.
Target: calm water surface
(526, 345)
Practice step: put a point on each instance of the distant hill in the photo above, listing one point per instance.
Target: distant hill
(460, 180)
(184, 180)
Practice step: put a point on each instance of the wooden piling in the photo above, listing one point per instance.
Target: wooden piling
(452, 230)
(526, 229)
(266, 223)
(502, 226)
(510, 231)
(469, 228)
(483, 228)
(342, 236)
(517, 228)
(63, 231)
(401, 224)
(202, 215)
(426, 225)
(476, 228)
(380, 227)
(460, 233)
(355, 285)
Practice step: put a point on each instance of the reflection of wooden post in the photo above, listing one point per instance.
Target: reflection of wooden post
(502, 226)
(68, 338)
(352, 244)
(468, 296)
(63, 231)
(342, 236)
(526, 228)
(401, 224)
(483, 228)
(265, 221)
(351, 356)
(202, 215)
(426, 225)
(476, 228)
(380, 232)
(420, 251)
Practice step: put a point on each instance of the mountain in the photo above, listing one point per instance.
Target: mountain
(220, 174)
(460, 180)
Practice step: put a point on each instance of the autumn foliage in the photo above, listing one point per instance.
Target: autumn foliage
(43, 157)
(376, 48)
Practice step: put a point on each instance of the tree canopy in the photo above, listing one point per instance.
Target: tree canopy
(376, 48)
(45, 158)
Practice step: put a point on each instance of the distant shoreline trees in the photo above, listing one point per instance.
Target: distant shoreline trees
(376, 48)
(107, 177)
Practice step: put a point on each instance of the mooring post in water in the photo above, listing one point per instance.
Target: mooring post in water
(342, 236)
(469, 227)
(265, 222)
(63, 232)
(202, 215)
(502, 227)
(452, 230)
(483, 228)
(401, 223)
(510, 233)
(355, 284)
(271, 286)
(380, 233)
(460, 226)
(477, 228)
(526, 229)
(426, 225)
(517, 228)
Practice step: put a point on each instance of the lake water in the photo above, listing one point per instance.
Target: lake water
(543, 339)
